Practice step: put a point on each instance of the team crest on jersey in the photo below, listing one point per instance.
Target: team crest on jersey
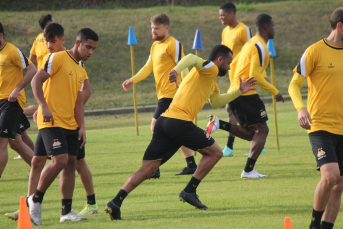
(80, 79)
(57, 144)
(2, 63)
(263, 113)
(71, 73)
(321, 153)
(331, 66)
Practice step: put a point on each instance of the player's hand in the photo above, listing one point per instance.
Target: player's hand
(82, 135)
(173, 77)
(47, 115)
(13, 96)
(279, 97)
(35, 116)
(304, 119)
(127, 84)
(247, 85)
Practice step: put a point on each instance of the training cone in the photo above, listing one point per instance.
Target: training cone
(131, 40)
(287, 224)
(197, 44)
(24, 221)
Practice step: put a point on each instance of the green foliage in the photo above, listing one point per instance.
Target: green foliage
(298, 24)
(113, 152)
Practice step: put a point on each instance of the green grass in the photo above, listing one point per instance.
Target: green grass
(114, 152)
(298, 25)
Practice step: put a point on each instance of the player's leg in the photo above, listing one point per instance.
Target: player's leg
(3, 154)
(22, 149)
(87, 182)
(228, 150)
(190, 160)
(27, 140)
(67, 177)
(326, 147)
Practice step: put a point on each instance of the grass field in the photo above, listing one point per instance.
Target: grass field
(298, 24)
(114, 152)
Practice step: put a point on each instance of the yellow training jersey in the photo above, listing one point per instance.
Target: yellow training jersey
(321, 64)
(85, 75)
(164, 56)
(236, 37)
(252, 61)
(12, 63)
(39, 49)
(193, 93)
(61, 89)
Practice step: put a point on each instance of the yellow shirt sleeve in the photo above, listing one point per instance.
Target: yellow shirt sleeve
(294, 91)
(259, 73)
(143, 73)
(33, 49)
(187, 61)
(218, 100)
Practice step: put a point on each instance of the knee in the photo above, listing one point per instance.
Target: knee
(330, 180)
(218, 154)
(61, 162)
(37, 163)
(227, 108)
(13, 146)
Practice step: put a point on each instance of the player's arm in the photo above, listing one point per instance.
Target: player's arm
(187, 61)
(218, 100)
(37, 88)
(304, 117)
(87, 91)
(33, 58)
(79, 117)
(31, 70)
(143, 73)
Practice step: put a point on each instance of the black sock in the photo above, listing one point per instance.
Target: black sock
(27, 203)
(326, 225)
(192, 185)
(249, 166)
(66, 206)
(91, 199)
(118, 200)
(316, 218)
(38, 196)
(224, 125)
(191, 162)
(230, 142)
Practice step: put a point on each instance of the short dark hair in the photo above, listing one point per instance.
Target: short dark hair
(1, 29)
(219, 50)
(43, 21)
(228, 7)
(262, 20)
(160, 19)
(85, 34)
(53, 30)
(336, 16)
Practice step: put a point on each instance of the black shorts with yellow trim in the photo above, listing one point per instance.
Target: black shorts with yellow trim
(55, 141)
(170, 134)
(327, 148)
(24, 123)
(162, 106)
(10, 116)
(82, 152)
(249, 110)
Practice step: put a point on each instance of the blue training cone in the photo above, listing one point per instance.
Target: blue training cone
(271, 49)
(197, 44)
(132, 38)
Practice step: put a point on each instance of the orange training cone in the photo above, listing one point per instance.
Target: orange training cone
(24, 221)
(287, 224)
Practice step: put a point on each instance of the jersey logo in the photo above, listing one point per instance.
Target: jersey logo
(263, 113)
(5, 131)
(2, 63)
(331, 66)
(56, 144)
(71, 73)
(321, 153)
(80, 79)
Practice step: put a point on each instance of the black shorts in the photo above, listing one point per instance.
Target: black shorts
(249, 110)
(82, 153)
(56, 141)
(170, 134)
(10, 116)
(327, 148)
(162, 106)
(24, 123)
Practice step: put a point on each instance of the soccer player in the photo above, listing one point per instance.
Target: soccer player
(165, 53)
(12, 99)
(175, 127)
(60, 122)
(323, 119)
(234, 35)
(248, 108)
